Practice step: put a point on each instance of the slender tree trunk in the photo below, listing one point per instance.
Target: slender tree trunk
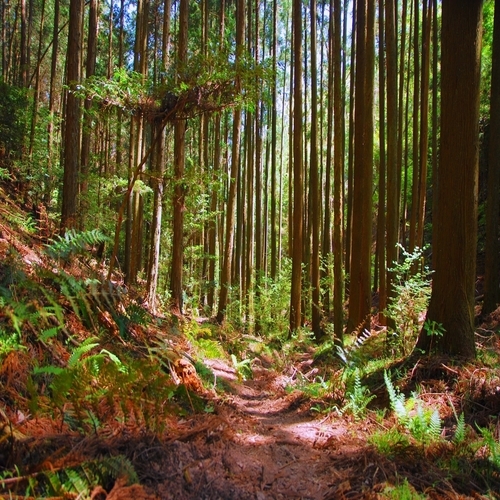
(393, 184)
(338, 198)
(360, 291)
(36, 93)
(298, 203)
(314, 194)
(179, 161)
(23, 68)
(402, 120)
(327, 219)
(72, 126)
(158, 174)
(274, 145)
(380, 263)
(87, 119)
(52, 102)
(415, 141)
(235, 158)
(424, 121)
(350, 161)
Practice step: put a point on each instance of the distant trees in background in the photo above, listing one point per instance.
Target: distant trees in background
(242, 151)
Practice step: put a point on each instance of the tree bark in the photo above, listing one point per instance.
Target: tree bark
(492, 247)
(455, 222)
(72, 126)
(360, 285)
(179, 188)
(235, 156)
(298, 203)
(314, 194)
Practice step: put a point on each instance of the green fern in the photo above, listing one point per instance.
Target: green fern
(460, 431)
(359, 397)
(82, 479)
(435, 426)
(493, 446)
(74, 243)
(348, 355)
(397, 400)
(86, 346)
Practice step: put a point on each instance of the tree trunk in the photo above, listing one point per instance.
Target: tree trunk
(87, 119)
(235, 156)
(314, 194)
(72, 126)
(379, 278)
(157, 178)
(360, 291)
(455, 222)
(492, 248)
(393, 188)
(179, 188)
(338, 169)
(298, 203)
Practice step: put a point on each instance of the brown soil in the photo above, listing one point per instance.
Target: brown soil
(263, 442)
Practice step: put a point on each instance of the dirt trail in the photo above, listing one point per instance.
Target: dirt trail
(263, 443)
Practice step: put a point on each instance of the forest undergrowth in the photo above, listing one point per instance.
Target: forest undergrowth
(101, 399)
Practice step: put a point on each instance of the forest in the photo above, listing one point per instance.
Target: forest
(249, 249)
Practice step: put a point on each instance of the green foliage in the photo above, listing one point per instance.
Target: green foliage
(358, 397)
(397, 400)
(412, 291)
(460, 430)
(403, 491)
(272, 303)
(423, 424)
(78, 480)
(74, 243)
(352, 355)
(243, 368)
(492, 445)
(389, 442)
(13, 119)
(208, 82)
(317, 388)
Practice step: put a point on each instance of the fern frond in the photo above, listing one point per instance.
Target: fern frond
(74, 242)
(82, 479)
(397, 399)
(86, 346)
(48, 370)
(435, 426)
(492, 445)
(460, 431)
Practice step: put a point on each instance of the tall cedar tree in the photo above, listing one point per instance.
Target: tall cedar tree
(179, 187)
(455, 222)
(233, 181)
(360, 285)
(72, 130)
(492, 247)
(298, 204)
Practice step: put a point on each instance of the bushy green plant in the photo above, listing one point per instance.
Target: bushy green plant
(13, 118)
(403, 491)
(389, 442)
(272, 303)
(492, 445)
(423, 424)
(358, 396)
(412, 289)
(77, 481)
(74, 243)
